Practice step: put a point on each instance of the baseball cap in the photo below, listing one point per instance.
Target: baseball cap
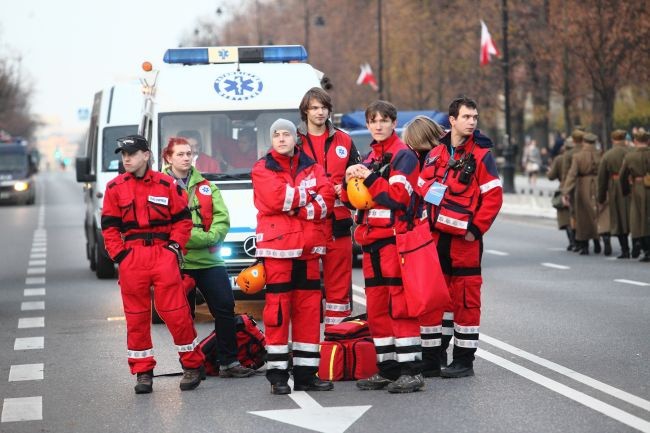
(131, 144)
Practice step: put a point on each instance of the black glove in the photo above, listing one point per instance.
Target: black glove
(175, 248)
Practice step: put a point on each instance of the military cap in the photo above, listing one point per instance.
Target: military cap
(577, 135)
(568, 143)
(590, 137)
(618, 135)
(641, 135)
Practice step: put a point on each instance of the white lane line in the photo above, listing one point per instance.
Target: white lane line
(358, 289)
(497, 253)
(32, 305)
(26, 372)
(580, 397)
(359, 300)
(22, 409)
(38, 244)
(555, 266)
(35, 271)
(556, 249)
(39, 250)
(38, 256)
(578, 377)
(31, 322)
(37, 263)
(29, 343)
(636, 283)
(34, 292)
(34, 280)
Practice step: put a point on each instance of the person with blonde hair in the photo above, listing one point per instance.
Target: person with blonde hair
(422, 134)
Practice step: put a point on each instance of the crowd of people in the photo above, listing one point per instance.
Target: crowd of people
(164, 229)
(604, 194)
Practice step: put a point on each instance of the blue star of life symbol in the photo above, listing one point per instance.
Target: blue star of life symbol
(239, 87)
(223, 53)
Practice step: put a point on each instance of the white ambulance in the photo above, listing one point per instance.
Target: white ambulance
(116, 112)
(224, 99)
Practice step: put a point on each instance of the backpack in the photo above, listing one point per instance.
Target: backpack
(347, 352)
(251, 346)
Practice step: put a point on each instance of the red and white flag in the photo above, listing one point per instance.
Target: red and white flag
(367, 77)
(488, 48)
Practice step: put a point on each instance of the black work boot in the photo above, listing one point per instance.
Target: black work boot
(570, 234)
(191, 378)
(374, 382)
(625, 247)
(458, 369)
(583, 247)
(636, 248)
(607, 250)
(431, 357)
(597, 248)
(313, 384)
(406, 383)
(280, 388)
(144, 382)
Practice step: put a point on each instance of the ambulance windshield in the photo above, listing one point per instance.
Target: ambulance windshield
(225, 144)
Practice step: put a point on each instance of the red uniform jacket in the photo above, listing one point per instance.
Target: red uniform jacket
(282, 184)
(392, 190)
(482, 196)
(151, 204)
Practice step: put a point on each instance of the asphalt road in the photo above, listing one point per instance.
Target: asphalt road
(564, 346)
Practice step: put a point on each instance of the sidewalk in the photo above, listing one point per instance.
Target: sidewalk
(527, 201)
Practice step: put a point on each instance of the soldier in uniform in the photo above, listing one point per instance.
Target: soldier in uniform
(635, 181)
(556, 172)
(580, 183)
(576, 139)
(609, 191)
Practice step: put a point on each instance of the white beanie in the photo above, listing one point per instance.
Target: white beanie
(284, 125)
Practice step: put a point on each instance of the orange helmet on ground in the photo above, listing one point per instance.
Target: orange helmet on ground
(358, 194)
(252, 279)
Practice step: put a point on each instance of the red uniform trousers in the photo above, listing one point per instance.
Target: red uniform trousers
(460, 261)
(156, 266)
(395, 334)
(292, 296)
(337, 279)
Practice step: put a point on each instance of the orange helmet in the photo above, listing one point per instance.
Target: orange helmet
(359, 195)
(252, 279)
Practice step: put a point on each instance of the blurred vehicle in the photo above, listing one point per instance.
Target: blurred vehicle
(116, 113)
(18, 165)
(224, 99)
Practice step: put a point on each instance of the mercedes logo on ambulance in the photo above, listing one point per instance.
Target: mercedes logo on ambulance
(238, 86)
(250, 246)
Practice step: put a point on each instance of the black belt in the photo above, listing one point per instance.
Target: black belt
(147, 237)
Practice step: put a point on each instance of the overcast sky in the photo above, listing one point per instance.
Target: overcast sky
(69, 49)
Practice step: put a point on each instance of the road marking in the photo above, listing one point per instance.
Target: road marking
(39, 250)
(37, 263)
(554, 266)
(31, 322)
(35, 271)
(636, 283)
(22, 409)
(358, 289)
(34, 292)
(497, 253)
(580, 397)
(116, 318)
(32, 305)
(313, 416)
(29, 343)
(34, 280)
(26, 372)
(578, 377)
(37, 256)
(38, 244)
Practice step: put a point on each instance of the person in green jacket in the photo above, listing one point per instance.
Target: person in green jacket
(202, 261)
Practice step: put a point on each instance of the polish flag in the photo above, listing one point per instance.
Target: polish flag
(487, 45)
(367, 77)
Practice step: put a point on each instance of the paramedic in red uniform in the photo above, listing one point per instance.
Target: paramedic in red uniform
(463, 195)
(293, 198)
(146, 223)
(334, 150)
(390, 172)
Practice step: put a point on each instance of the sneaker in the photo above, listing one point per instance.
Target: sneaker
(406, 383)
(144, 382)
(191, 378)
(314, 384)
(456, 370)
(237, 370)
(374, 382)
(280, 388)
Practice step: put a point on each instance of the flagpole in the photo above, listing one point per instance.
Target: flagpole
(380, 59)
(508, 151)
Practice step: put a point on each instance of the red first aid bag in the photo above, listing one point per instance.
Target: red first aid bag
(347, 352)
(425, 287)
(251, 346)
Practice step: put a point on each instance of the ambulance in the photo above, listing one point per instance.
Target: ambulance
(224, 100)
(116, 112)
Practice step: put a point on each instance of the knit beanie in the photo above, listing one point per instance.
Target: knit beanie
(284, 125)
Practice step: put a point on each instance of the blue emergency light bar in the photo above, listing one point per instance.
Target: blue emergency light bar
(260, 54)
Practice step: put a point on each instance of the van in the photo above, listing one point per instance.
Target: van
(224, 100)
(116, 112)
(18, 165)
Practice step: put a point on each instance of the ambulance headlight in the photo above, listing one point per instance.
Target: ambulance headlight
(21, 186)
(226, 252)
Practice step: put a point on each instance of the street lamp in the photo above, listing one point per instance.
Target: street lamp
(508, 151)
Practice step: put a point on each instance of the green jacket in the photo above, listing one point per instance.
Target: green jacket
(201, 242)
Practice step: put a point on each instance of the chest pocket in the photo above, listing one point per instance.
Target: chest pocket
(127, 212)
(157, 207)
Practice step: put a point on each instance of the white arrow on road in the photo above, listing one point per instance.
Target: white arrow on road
(313, 416)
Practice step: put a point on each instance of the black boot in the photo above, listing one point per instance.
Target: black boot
(313, 384)
(645, 245)
(431, 361)
(607, 251)
(636, 248)
(462, 365)
(625, 247)
(583, 247)
(597, 248)
(572, 238)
